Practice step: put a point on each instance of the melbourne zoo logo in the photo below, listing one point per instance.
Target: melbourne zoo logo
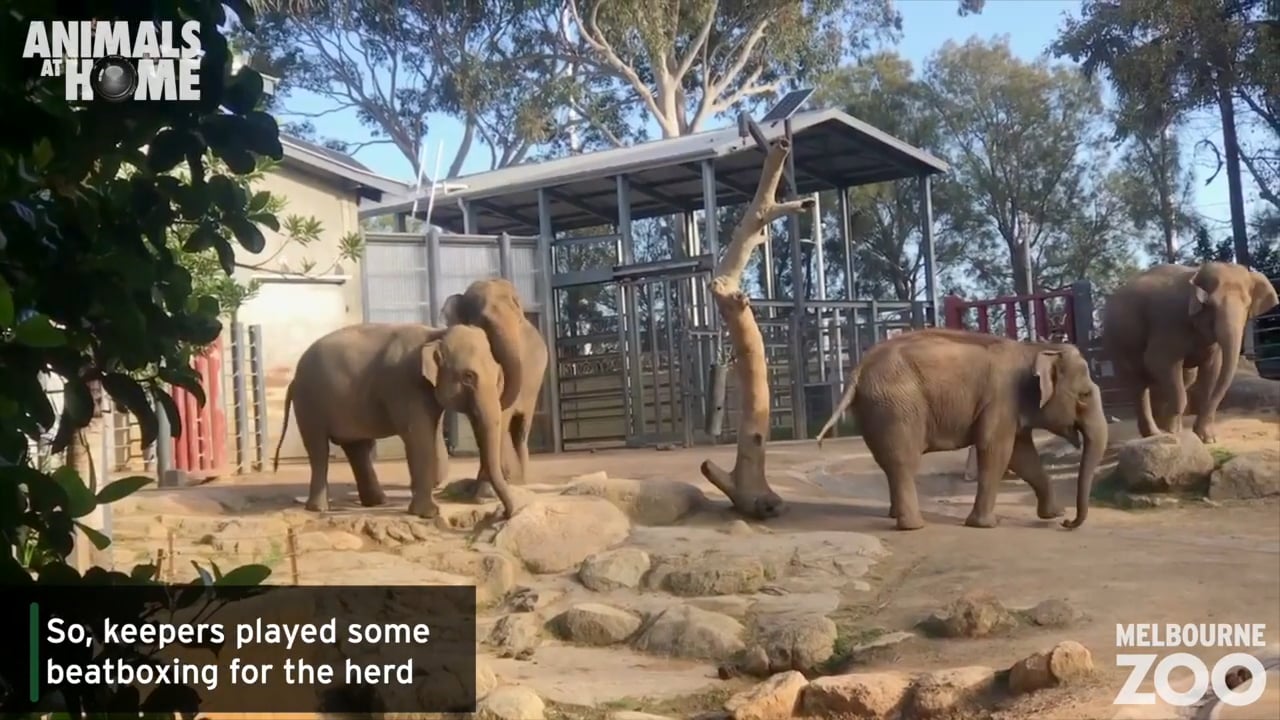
(116, 61)
(1238, 679)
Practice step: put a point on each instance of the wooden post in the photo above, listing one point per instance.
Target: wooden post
(746, 485)
(293, 555)
(172, 570)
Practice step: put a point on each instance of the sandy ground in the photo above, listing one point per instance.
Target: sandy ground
(1189, 564)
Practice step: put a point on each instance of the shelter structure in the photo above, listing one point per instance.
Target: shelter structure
(637, 353)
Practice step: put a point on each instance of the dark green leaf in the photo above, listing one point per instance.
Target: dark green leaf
(248, 234)
(6, 304)
(80, 501)
(246, 575)
(77, 411)
(205, 578)
(201, 239)
(186, 378)
(267, 219)
(168, 149)
(227, 194)
(58, 573)
(226, 256)
(122, 488)
(263, 135)
(244, 11)
(128, 392)
(238, 160)
(244, 92)
(38, 331)
(100, 541)
(144, 572)
(259, 201)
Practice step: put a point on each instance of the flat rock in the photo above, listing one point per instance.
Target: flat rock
(614, 569)
(1054, 612)
(938, 693)
(647, 502)
(1164, 462)
(774, 699)
(516, 634)
(974, 615)
(860, 695)
(595, 624)
(688, 632)
(1247, 476)
(795, 641)
(494, 573)
(328, 540)
(555, 534)
(1063, 663)
(1145, 501)
(511, 702)
(712, 573)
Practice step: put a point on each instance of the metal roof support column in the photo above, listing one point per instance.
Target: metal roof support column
(629, 327)
(470, 223)
(402, 222)
(547, 319)
(435, 297)
(799, 358)
(504, 256)
(846, 241)
(711, 237)
(930, 258)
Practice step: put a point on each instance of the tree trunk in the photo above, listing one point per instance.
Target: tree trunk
(1235, 193)
(746, 485)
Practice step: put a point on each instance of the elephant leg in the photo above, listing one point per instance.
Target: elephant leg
(1205, 415)
(993, 460)
(1025, 461)
(899, 457)
(317, 447)
(1129, 376)
(360, 455)
(428, 460)
(511, 468)
(1168, 378)
(521, 427)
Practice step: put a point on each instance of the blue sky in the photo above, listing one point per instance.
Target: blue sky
(1031, 26)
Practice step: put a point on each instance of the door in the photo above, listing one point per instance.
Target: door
(293, 314)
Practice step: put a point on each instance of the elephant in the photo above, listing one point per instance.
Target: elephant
(1172, 322)
(494, 306)
(370, 381)
(934, 390)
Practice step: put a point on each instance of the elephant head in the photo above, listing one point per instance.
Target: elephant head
(460, 366)
(1064, 400)
(1223, 298)
(494, 306)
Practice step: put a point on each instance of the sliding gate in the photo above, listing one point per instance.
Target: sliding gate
(633, 346)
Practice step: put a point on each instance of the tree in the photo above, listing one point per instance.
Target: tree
(90, 287)
(1168, 57)
(1034, 196)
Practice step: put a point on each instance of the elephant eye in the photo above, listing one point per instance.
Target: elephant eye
(469, 378)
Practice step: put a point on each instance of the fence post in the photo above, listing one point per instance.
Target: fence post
(240, 396)
(292, 538)
(256, 367)
(163, 444)
(1082, 315)
(953, 312)
(504, 255)
(719, 385)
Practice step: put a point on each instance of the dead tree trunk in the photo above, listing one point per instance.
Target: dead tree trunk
(746, 485)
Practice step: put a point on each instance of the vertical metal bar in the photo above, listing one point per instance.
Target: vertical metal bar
(164, 441)
(435, 298)
(470, 223)
(875, 321)
(930, 260)
(686, 359)
(402, 222)
(240, 396)
(258, 368)
(547, 318)
(669, 322)
(364, 283)
(654, 359)
(711, 236)
(799, 359)
(768, 266)
(846, 241)
(820, 292)
(627, 309)
(624, 220)
(504, 256)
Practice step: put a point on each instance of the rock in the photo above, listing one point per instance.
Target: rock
(754, 662)
(861, 695)
(937, 693)
(739, 527)
(1054, 612)
(773, 699)
(252, 539)
(595, 624)
(555, 534)
(614, 569)
(731, 605)
(1065, 662)
(688, 632)
(630, 715)
(711, 573)
(486, 679)
(494, 573)
(974, 615)
(527, 599)
(328, 540)
(1144, 501)
(514, 634)
(795, 641)
(1161, 463)
(1248, 476)
(647, 502)
(510, 702)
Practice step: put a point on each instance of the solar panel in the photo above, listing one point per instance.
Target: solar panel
(788, 105)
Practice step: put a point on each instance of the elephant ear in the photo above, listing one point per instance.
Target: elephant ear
(431, 361)
(1262, 294)
(452, 310)
(1199, 296)
(1044, 370)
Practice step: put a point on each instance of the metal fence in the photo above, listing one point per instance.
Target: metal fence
(1265, 337)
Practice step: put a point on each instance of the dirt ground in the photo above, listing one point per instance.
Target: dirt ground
(1190, 564)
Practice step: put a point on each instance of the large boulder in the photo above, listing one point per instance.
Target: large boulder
(974, 615)
(647, 502)
(937, 694)
(511, 702)
(614, 569)
(712, 573)
(795, 641)
(494, 573)
(774, 699)
(595, 624)
(1248, 476)
(555, 534)
(516, 635)
(1163, 463)
(861, 695)
(688, 632)
(1065, 662)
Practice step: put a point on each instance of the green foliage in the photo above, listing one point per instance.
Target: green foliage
(92, 287)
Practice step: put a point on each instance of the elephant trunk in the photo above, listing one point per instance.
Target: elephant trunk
(487, 425)
(1229, 329)
(507, 342)
(1093, 427)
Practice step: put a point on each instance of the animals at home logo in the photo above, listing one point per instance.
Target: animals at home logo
(117, 61)
(1240, 666)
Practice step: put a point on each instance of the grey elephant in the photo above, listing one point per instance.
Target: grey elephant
(371, 381)
(935, 390)
(494, 306)
(1170, 323)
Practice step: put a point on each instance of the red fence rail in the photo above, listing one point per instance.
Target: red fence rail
(201, 449)
(1055, 313)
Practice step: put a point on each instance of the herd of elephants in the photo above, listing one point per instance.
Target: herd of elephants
(919, 392)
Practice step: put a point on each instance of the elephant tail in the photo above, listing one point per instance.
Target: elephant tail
(850, 390)
(288, 403)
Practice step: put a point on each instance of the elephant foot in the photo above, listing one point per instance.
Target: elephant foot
(424, 507)
(976, 520)
(317, 504)
(373, 499)
(1049, 511)
(1206, 434)
(910, 522)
